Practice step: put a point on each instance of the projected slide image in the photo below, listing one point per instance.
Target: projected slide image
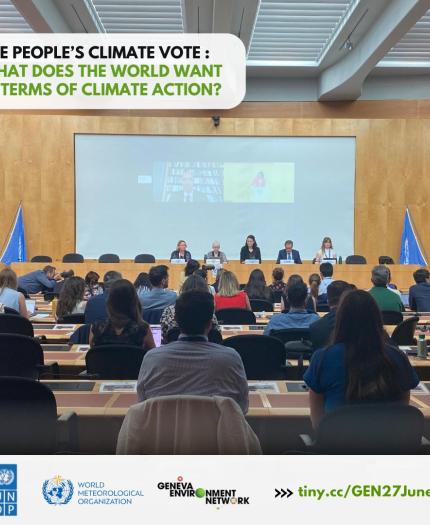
(252, 182)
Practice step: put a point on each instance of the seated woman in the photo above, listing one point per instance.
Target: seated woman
(142, 283)
(203, 273)
(326, 251)
(229, 294)
(71, 299)
(278, 284)
(360, 366)
(93, 285)
(191, 266)
(124, 324)
(250, 250)
(181, 251)
(313, 288)
(9, 296)
(194, 282)
(256, 287)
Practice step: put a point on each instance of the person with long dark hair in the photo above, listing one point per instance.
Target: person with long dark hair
(124, 324)
(250, 250)
(359, 365)
(71, 298)
(257, 288)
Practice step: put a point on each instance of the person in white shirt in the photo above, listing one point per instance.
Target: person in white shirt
(216, 253)
(326, 251)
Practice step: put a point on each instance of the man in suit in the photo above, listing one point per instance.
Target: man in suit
(322, 329)
(188, 193)
(289, 254)
(419, 293)
(96, 306)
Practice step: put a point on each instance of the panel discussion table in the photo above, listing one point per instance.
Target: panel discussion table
(358, 274)
(278, 411)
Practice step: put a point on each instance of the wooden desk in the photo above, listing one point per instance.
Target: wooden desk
(358, 274)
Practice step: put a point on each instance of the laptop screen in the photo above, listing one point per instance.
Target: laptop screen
(156, 334)
(405, 299)
(31, 306)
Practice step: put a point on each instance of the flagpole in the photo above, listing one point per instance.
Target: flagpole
(12, 227)
(416, 237)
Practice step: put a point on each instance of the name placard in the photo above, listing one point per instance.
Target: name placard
(286, 261)
(178, 261)
(252, 261)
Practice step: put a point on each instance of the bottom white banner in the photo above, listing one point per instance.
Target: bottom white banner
(213, 489)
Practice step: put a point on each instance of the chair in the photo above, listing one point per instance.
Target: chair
(391, 317)
(12, 311)
(355, 259)
(81, 336)
(73, 258)
(114, 361)
(260, 305)
(22, 356)
(109, 258)
(263, 357)
(297, 343)
(323, 307)
(144, 258)
(235, 316)
(41, 258)
(214, 335)
(405, 331)
(72, 319)
(15, 324)
(277, 296)
(152, 315)
(385, 259)
(28, 411)
(186, 425)
(382, 428)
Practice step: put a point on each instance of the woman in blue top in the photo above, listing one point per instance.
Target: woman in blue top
(360, 365)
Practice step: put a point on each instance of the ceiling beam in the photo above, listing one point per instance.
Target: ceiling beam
(344, 79)
(60, 16)
(221, 16)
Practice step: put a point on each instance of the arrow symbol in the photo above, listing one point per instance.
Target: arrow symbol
(282, 493)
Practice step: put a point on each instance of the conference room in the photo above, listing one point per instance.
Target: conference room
(260, 271)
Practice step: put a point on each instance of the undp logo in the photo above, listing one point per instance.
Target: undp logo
(8, 490)
(57, 491)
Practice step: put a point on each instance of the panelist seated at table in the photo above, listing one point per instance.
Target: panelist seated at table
(39, 280)
(288, 254)
(216, 253)
(326, 251)
(192, 365)
(9, 296)
(181, 251)
(359, 366)
(124, 324)
(250, 250)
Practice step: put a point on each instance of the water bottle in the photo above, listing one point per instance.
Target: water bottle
(422, 347)
(340, 259)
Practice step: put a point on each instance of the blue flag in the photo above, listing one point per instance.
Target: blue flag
(14, 250)
(410, 250)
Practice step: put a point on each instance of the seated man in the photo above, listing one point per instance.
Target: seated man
(419, 293)
(385, 298)
(158, 297)
(192, 365)
(297, 316)
(96, 306)
(39, 280)
(326, 271)
(322, 329)
(288, 254)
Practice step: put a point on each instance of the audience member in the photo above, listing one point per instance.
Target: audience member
(385, 298)
(58, 286)
(192, 365)
(39, 280)
(298, 316)
(322, 329)
(257, 288)
(9, 296)
(168, 321)
(124, 324)
(278, 284)
(229, 294)
(158, 296)
(142, 283)
(71, 300)
(96, 307)
(93, 285)
(359, 366)
(326, 271)
(285, 305)
(203, 273)
(419, 293)
(313, 288)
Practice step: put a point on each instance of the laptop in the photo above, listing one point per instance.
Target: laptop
(405, 299)
(31, 306)
(156, 334)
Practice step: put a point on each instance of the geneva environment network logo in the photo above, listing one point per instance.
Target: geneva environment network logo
(8, 490)
(57, 491)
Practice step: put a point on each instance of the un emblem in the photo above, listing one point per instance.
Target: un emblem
(57, 491)
(7, 477)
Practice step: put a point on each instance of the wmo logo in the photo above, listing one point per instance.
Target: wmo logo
(8, 490)
(57, 491)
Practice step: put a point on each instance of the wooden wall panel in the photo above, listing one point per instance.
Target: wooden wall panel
(392, 161)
